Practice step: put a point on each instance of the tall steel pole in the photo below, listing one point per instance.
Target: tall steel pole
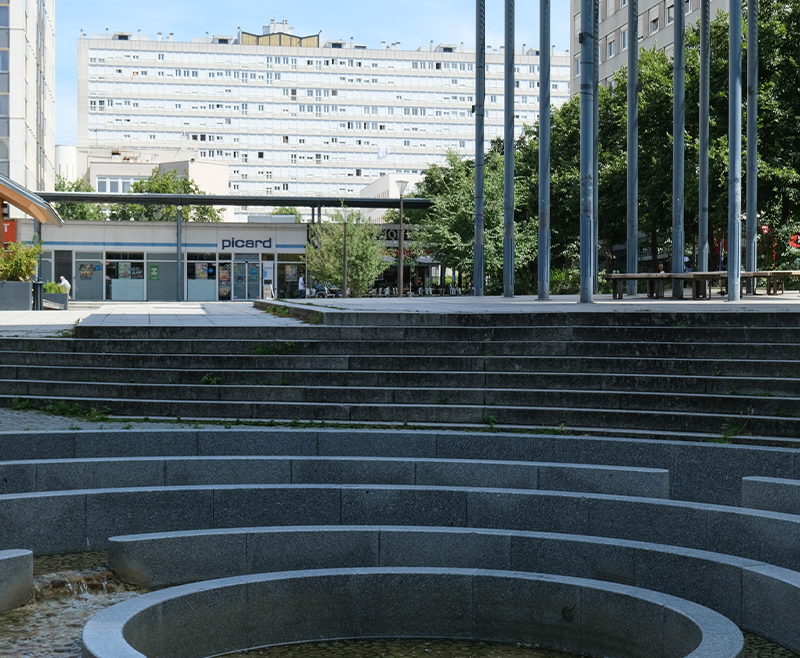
(678, 146)
(587, 125)
(705, 94)
(344, 258)
(544, 149)
(596, 149)
(752, 141)
(480, 99)
(633, 143)
(508, 157)
(400, 249)
(735, 151)
(180, 253)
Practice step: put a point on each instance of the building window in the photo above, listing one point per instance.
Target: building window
(611, 49)
(670, 15)
(624, 35)
(654, 26)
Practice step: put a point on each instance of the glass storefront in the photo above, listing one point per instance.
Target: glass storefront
(125, 276)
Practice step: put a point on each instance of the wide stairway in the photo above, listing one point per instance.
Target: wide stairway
(718, 375)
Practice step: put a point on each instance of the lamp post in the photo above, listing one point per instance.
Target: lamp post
(180, 253)
(401, 186)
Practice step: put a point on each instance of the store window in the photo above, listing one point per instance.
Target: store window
(201, 277)
(125, 276)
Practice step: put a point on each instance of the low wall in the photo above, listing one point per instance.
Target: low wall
(748, 592)
(567, 614)
(774, 494)
(84, 520)
(61, 475)
(16, 578)
(702, 472)
(16, 296)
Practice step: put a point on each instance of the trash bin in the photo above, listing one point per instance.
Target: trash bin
(38, 291)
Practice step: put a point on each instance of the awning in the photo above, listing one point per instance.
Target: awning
(28, 202)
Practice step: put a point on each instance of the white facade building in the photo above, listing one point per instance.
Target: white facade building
(27, 82)
(656, 30)
(289, 115)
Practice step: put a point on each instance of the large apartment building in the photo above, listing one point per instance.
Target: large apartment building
(27, 101)
(292, 115)
(656, 30)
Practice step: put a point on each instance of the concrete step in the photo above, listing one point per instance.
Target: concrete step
(576, 410)
(558, 379)
(245, 338)
(290, 394)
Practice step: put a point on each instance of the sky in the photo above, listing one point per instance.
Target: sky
(413, 23)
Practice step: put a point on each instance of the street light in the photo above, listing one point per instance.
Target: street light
(401, 186)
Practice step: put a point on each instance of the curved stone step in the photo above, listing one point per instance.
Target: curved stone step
(748, 592)
(570, 614)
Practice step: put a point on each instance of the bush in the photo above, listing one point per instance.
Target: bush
(19, 261)
(53, 287)
(565, 282)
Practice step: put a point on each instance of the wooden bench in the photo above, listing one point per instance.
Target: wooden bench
(776, 279)
(655, 283)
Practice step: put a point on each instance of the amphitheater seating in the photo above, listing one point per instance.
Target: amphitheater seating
(638, 517)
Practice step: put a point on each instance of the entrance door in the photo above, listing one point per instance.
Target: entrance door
(246, 281)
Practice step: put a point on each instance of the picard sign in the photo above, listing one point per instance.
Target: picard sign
(234, 243)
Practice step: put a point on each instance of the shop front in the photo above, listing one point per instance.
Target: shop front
(132, 261)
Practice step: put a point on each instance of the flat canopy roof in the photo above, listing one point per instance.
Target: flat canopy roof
(28, 202)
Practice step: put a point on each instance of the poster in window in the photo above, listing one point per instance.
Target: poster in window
(201, 271)
(291, 272)
(137, 270)
(86, 271)
(154, 272)
(123, 270)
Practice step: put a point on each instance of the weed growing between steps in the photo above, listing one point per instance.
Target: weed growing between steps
(63, 408)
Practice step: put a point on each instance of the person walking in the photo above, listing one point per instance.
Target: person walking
(301, 287)
(67, 287)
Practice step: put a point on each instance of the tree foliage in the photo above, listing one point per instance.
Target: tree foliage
(449, 225)
(365, 251)
(448, 228)
(288, 210)
(19, 261)
(77, 211)
(168, 182)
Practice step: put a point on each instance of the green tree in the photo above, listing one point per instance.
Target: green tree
(448, 228)
(169, 182)
(366, 255)
(77, 211)
(288, 210)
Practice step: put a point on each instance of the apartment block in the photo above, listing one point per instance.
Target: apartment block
(655, 27)
(292, 115)
(27, 100)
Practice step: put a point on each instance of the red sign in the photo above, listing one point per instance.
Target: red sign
(9, 231)
(795, 241)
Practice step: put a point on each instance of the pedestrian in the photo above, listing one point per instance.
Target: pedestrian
(67, 287)
(301, 287)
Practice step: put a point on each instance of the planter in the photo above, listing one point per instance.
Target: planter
(58, 298)
(16, 296)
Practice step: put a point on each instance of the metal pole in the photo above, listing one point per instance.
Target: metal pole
(508, 157)
(344, 259)
(596, 149)
(678, 146)
(705, 94)
(180, 253)
(587, 182)
(752, 141)
(480, 99)
(633, 143)
(735, 151)
(400, 247)
(544, 149)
